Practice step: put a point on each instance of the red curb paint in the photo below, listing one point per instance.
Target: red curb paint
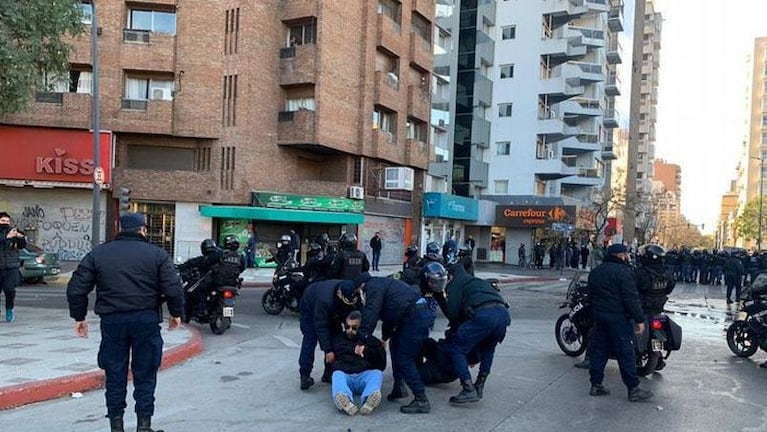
(38, 391)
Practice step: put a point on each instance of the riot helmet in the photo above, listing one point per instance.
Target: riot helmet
(323, 240)
(231, 243)
(652, 254)
(314, 249)
(412, 251)
(285, 240)
(433, 278)
(348, 241)
(208, 246)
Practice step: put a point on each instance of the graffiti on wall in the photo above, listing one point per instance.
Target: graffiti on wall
(392, 234)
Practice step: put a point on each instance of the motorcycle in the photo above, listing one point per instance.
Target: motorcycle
(283, 293)
(572, 328)
(219, 302)
(661, 336)
(748, 332)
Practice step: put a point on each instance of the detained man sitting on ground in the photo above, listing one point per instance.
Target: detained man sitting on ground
(357, 374)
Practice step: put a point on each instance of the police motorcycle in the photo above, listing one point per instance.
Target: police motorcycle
(748, 332)
(572, 328)
(282, 293)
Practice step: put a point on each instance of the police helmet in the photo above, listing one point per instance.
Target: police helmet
(231, 243)
(348, 241)
(332, 249)
(433, 277)
(432, 248)
(412, 251)
(314, 249)
(285, 239)
(208, 246)
(323, 239)
(652, 254)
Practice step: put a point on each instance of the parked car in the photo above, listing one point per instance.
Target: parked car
(36, 265)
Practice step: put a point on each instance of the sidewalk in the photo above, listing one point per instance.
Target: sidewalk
(41, 358)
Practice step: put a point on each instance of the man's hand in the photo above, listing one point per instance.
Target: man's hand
(639, 328)
(13, 233)
(360, 350)
(81, 328)
(330, 357)
(174, 323)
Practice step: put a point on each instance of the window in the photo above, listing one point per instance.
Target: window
(229, 101)
(504, 110)
(501, 187)
(302, 32)
(54, 83)
(503, 148)
(416, 130)
(385, 120)
(507, 71)
(148, 89)
(306, 103)
(508, 32)
(153, 21)
(764, 120)
(390, 8)
(86, 10)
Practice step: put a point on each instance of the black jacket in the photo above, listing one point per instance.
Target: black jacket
(348, 264)
(613, 289)
(9, 250)
(348, 361)
(387, 299)
(320, 304)
(131, 275)
(654, 284)
(375, 244)
(464, 292)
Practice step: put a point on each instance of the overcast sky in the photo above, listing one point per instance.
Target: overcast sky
(702, 95)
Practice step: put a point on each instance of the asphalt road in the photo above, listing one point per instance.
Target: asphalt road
(247, 380)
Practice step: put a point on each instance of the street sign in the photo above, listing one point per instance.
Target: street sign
(98, 176)
(562, 227)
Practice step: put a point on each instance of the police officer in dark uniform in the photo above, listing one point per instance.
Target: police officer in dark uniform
(615, 302)
(350, 262)
(230, 265)
(284, 251)
(480, 316)
(323, 308)
(465, 260)
(654, 282)
(203, 264)
(314, 270)
(406, 319)
(733, 276)
(131, 277)
(411, 257)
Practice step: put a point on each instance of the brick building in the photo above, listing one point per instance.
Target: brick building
(284, 114)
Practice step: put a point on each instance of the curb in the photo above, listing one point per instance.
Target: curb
(43, 390)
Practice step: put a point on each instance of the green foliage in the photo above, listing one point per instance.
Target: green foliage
(747, 224)
(32, 41)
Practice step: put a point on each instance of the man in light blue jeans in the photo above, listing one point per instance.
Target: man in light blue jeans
(357, 373)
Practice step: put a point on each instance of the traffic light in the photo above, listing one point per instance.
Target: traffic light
(125, 204)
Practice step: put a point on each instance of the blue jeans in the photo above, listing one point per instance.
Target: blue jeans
(406, 344)
(362, 383)
(376, 259)
(613, 333)
(134, 336)
(484, 331)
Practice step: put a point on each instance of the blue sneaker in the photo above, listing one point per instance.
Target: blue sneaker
(9, 315)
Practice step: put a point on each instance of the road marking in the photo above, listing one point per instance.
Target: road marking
(286, 341)
(243, 326)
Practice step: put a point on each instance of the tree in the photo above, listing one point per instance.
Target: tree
(32, 41)
(747, 223)
(604, 204)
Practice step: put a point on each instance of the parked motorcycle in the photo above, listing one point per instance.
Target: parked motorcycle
(661, 336)
(283, 293)
(572, 328)
(219, 302)
(748, 332)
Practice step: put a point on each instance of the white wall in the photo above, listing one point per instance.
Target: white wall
(191, 230)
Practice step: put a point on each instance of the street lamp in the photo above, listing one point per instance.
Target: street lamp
(761, 199)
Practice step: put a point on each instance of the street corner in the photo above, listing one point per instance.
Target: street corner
(189, 345)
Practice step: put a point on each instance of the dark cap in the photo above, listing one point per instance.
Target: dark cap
(132, 221)
(615, 249)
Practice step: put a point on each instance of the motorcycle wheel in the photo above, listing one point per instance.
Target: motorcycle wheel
(293, 304)
(271, 302)
(741, 340)
(569, 339)
(219, 324)
(645, 368)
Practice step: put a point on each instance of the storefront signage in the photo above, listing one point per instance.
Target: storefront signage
(442, 205)
(49, 154)
(533, 216)
(304, 202)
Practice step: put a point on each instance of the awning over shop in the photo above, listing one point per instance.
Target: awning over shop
(281, 215)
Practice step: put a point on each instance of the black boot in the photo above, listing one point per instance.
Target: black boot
(327, 374)
(468, 394)
(639, 395)
(419, 405)
(306, 382)
(479, 384)
(116, 424)
(399, 391)
(145, 425)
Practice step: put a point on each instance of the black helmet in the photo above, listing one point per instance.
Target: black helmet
(231, 243)
(332, 249)
(323, 239)
(348, 241)
(314, 249)
(208, 246)
(652, 254)
(433, 278)
(432, 248)
(412, 251)
(285, 239)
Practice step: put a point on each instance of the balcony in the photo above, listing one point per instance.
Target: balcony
(296, 9)
(611, 119)
(297, 65)
(417, 154)
(297, 129)
(485, 54)
(483, 91)
(385, 147)
(597, 5)
(613, 85)
(486, 10)
(440, 169)
(418, 103)
(615, 16)
(609, 154)
(584, 177)
(564, 8)
(614, 51)
(157, 54)
(589, 36)
(387, 90)
(581, 72)
(580, 107)
(564, 44)
(68, 110)
(389, 35)
(555, 129)
(553, 169)
(480, 132)
(559, 89)
(144, 116)
(574, 145)
(426, 8)
(478, 172)
(421, 52)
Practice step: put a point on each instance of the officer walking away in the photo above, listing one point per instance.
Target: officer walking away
(131, 277)
(376, 245)
(11, 240)
(350, 262)
(616, 305)
(733, 276)
(480, 315)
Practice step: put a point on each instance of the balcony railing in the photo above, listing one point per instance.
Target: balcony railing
(589, 33)
(50, 97)
(133, 104)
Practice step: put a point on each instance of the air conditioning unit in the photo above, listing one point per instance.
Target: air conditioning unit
(550, 154)
(398, 178)
(161, 93)
(356, 192)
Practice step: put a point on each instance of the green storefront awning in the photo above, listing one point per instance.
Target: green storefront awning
(281, 215)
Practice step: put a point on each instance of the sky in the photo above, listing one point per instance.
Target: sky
(702, 101)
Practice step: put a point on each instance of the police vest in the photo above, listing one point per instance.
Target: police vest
(352, 264)
(228, 269)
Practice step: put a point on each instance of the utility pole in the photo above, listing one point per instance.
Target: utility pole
(96, 126)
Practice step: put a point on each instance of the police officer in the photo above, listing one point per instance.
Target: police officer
(654, 281)
(11, 240)
(406, 319)
(480, 316)
(313, 269)
(465, 260)
(615, 302)
(350, 262)
(211, 256)
(231, 264)
(130, 276)
(733, 276)
(284, 251)
(323, 308)
(411, 257)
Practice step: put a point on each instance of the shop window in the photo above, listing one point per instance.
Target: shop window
(161, 224)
